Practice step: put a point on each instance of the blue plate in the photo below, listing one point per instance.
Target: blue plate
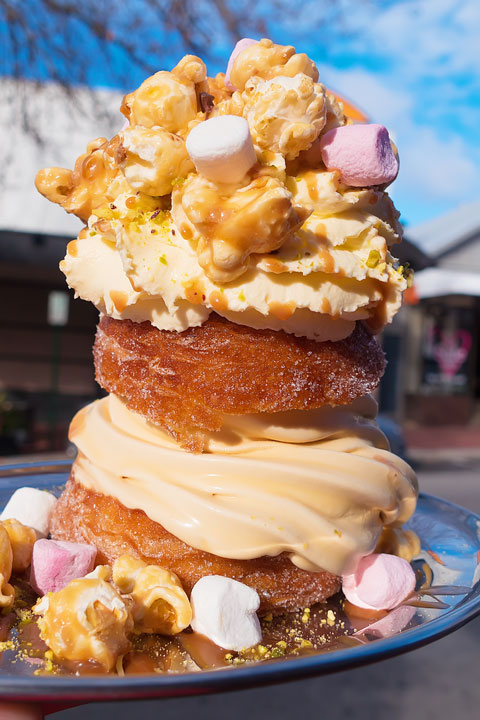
(449, 562)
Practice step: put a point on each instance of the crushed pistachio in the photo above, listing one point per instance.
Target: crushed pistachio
(373, 258)
(178, 181)
(306, 616)
(7, 645)
(25, 616)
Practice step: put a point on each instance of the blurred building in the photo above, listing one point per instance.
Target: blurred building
(441, 324)
(46, 370)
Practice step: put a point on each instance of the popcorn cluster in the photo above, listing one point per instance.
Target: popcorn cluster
(160, 604)
(245, 166)
(87, 620)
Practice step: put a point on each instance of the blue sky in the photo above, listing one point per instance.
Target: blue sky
(413, 65)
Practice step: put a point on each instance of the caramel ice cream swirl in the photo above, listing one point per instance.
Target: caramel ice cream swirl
(320, 485)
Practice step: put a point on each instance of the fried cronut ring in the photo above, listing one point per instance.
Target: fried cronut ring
(103, 521)
(184, 382)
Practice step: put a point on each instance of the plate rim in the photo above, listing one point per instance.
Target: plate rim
(89, 688)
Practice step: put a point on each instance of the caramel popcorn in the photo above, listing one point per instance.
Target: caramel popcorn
(285, 114)
(216, 88)
(396, 541)
(160, 604)
(334, 115)
(227, 229)
(22, 539)
(267, 60)
(191, 68)
(153, 158)
(7, 593)
(167, 99)
(231, 105)
(88, 620)
(322, 191)
(96, 179)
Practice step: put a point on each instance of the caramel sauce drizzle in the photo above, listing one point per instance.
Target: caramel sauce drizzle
(72, 248)
(218, 301)
(274, 265)
(119, 299)
(194, 293)
(282, 311)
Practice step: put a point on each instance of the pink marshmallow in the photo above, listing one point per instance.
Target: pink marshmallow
(241, 45)
(380, 582)
(390, 625)
(56, 562)
(362, 153)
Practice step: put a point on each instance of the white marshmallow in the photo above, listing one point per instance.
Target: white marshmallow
(222, 148)
(31, 507)
(225, 611)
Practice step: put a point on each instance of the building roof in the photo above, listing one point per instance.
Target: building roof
(444, 233)
(66, 122)
(438, 282)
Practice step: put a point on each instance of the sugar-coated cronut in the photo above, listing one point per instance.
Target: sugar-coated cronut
(184, 382)
(362, 153)
(56, 562)
(225, 611)
(103, 521)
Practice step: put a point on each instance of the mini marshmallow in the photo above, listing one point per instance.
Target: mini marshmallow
(32, 508)
(222, 148)
(225, 611)
(362, 153)
(380, 582)
(56, 562)
(241, 45)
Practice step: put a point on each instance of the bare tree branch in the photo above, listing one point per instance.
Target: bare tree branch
(117, 43)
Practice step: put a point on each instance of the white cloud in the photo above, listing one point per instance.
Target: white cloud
(384, 104)
(437, 169)
(433, 35)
